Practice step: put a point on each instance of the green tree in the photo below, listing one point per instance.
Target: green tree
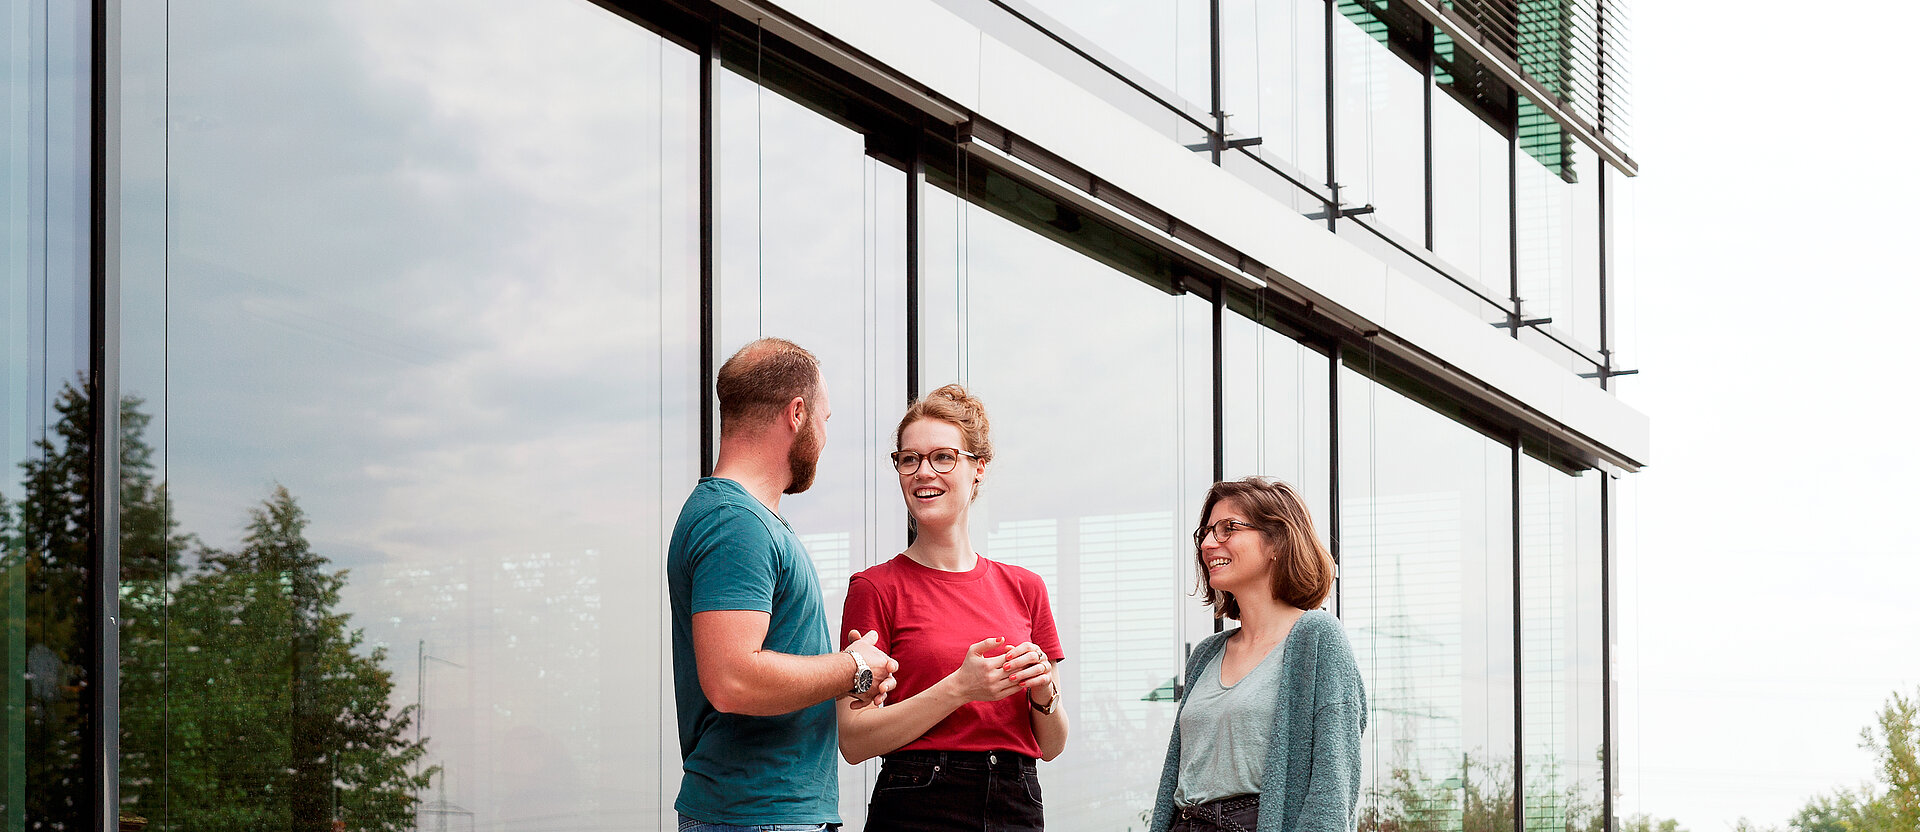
(1892, 802)
(1894, 740)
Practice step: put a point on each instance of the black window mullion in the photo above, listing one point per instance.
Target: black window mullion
(1519, 713)
(102, 701)
(709, 239)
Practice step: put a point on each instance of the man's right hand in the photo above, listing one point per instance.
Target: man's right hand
(882, 665)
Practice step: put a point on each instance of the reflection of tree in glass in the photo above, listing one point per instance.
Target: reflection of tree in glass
(43, 579)
(1476, 797)
(246, 700)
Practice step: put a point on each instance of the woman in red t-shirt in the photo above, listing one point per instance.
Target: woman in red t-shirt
(977, 699)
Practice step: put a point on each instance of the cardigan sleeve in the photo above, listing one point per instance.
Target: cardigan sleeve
(1339, 720)
(1333, 788)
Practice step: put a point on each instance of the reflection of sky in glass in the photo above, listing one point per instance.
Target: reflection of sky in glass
(1427, 587)
(43, 195)
(1558, 239)
(1277, 412)
(1470, 195)
(1381, 154)
(1273, 79)
(431, 269)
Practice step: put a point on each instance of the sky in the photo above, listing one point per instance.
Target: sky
(1769, 591)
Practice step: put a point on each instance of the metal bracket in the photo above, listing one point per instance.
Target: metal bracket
(1610, 373)
(1228, 145)
(1343, 212)
(1510, 323)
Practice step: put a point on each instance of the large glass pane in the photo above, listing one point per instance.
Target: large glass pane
(1098, 389)
(1472, 229)
(1165, 43)
(1560, 649)
(1558, 242)
(431, 322)
(46, 450)
(1379, 121)
(813, 249)
(1278, 415)
(1426, 531)
(1274, 80)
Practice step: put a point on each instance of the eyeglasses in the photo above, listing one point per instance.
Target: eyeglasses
(943, 460)
(1221, 531)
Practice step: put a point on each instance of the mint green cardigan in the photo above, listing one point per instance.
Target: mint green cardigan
(1312, 777)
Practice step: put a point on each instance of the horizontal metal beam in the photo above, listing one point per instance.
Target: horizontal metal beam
(1469, 40)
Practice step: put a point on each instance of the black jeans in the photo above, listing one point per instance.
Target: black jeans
(1229, 814)
(956, 791)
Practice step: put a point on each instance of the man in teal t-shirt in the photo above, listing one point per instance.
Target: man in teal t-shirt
(754, 669)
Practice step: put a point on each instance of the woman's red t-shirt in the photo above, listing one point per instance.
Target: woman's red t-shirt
(928, 618)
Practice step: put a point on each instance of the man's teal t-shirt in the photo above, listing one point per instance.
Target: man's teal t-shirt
(729, 552)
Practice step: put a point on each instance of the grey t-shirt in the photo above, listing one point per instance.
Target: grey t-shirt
(1223, 731)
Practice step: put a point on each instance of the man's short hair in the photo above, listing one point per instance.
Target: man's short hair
(759, 380)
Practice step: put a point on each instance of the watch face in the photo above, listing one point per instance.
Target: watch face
(863, 681)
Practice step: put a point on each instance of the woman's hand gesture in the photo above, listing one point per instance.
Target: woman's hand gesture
(983, 676)
(1027, 665)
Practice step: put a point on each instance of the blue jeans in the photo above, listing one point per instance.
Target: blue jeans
(688, 824)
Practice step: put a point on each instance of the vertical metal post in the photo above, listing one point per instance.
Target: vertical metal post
(103, 584)
(1608, 748)
(1333, 475)
(1606, 282)
(1333, 180)
(709, 241)
(916, 172)
(1426, 102)
(1220, 381)
(1513, 223)
(1219, 139)
(1519, 710)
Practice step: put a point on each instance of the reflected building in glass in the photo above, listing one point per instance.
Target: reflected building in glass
(359, 357)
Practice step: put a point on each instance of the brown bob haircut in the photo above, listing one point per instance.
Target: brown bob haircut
(1302, 569)
(761, 379)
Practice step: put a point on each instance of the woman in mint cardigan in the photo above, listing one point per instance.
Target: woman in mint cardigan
(1268, 733)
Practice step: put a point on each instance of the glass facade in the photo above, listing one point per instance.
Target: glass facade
(1426, 530)
(412, 309)
(1561, 649)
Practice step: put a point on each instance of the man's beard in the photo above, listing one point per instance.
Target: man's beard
(803, 459)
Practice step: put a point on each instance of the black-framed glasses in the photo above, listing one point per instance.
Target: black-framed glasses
(1221, 531)
(943, 460)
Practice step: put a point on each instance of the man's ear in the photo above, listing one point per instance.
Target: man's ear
(796, 414)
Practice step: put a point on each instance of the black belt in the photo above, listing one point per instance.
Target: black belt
(1006, 760)
(1214, 810)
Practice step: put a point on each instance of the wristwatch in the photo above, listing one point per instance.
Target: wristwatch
(862, 674)
(1052, 703)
